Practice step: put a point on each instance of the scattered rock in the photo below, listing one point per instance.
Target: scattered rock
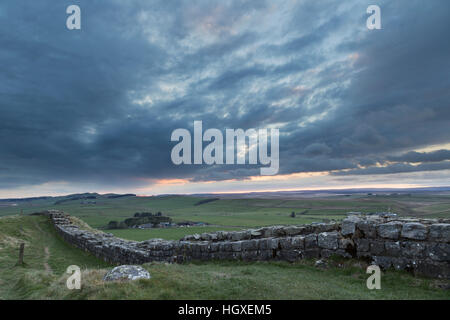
(320, 264)
(127, 272)
(444, 286)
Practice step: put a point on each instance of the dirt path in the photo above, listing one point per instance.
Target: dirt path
(47, 256)
(46, 252)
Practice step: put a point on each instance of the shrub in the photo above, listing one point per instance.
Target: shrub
(113, 225)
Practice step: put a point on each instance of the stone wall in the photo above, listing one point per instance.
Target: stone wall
(419, 245)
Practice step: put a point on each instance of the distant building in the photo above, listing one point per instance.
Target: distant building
(164, 224)
(145, 226)
(381, 214)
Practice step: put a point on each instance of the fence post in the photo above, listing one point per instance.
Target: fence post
(21, 250)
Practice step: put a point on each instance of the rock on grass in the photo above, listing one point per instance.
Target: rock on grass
(127, 272)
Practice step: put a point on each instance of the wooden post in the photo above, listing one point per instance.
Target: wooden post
(21, 250)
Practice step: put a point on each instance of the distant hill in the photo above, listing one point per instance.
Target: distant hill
(24, 199)
(76, 197)
(70, 197)
(262, 194)
(318, 193)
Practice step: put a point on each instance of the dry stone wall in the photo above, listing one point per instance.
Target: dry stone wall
(418, 245)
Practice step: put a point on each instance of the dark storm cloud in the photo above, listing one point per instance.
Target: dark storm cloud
(398, 168)
(99, 105)
(439, 155)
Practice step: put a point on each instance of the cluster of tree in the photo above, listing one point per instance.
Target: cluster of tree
(138, 219)
(205, 201)
(116, 225)
(147, 214)
(293, 214)
(115, 196)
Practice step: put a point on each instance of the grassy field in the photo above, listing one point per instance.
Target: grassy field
(47, 258)
(234, 214)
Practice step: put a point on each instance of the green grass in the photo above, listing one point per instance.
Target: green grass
(259, 280)
(198, 280)
(32, 279)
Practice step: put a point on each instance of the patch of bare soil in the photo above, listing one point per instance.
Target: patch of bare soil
(46, 257)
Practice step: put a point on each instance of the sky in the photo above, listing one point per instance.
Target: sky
(93, 110)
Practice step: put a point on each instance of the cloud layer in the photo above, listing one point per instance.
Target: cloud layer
(97, 106)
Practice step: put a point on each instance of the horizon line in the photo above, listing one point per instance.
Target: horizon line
(241, 192)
